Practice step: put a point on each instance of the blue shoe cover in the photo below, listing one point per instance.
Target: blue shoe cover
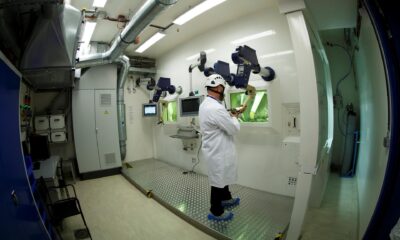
(226, 216)
(231, 203)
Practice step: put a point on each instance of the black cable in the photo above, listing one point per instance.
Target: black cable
(165, 4)
(350, 63)
(198, 159)
(343, 133)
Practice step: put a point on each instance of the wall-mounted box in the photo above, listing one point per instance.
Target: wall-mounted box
(57, 121)
(42, 123)
(291, 119)
(58, 137)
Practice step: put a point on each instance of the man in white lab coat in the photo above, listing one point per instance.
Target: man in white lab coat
(217, 127)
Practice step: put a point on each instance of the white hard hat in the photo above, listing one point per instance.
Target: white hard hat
(214, 80)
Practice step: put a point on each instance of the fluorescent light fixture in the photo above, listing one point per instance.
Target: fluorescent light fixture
(88, 32)
(196, 11)
(256, 102)
(99, 3)
(198, 54)
(276, 54)
(254, 36)
(155, 38)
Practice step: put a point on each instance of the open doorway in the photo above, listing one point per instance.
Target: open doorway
(361, 123)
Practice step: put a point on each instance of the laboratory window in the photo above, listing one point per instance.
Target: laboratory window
(169, 111)
(257, 108)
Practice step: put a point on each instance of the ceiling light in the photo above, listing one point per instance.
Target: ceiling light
(276, 54)
(99, 3)
(88, 32)
(199, 9)
(155, 38)
(198, 54)
(254, 36)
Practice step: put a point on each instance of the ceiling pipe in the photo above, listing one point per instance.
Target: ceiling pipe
(142, 18)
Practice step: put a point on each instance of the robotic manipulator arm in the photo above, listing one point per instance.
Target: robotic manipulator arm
(246, 60)
(163, 86)
(201, 61)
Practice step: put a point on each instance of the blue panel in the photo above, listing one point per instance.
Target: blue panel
(17, 221)
(385, 18)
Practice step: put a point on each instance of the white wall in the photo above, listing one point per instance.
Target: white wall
(372, 158)
(259, 148)
(139, 130)
(339, 66)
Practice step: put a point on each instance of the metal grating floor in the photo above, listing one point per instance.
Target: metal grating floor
(260, 215)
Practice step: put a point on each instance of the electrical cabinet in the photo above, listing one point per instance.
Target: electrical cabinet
(96, 130)
(57, 137)
(52, 126)
(57, 121)
(95, 123)
(42, 123)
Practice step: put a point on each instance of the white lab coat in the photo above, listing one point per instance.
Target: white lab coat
(217, 129)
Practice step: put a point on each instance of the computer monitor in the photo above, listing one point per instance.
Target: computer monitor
(190, 106)
(39, 147)
(149, 109)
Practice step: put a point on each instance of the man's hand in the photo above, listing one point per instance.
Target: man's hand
(234, 114)
(242, 108)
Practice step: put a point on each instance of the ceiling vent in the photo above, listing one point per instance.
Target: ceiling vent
(49, 57)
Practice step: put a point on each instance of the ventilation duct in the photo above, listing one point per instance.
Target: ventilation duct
(49, 57)
(142, 18)
(125, 65)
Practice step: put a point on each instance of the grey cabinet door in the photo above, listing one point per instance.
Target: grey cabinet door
(107, 125)
(84, 121)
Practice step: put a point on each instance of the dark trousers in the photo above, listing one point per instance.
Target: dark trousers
(218, 195)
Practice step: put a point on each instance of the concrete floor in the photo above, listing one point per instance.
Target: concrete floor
(337, 218)
(115, 209)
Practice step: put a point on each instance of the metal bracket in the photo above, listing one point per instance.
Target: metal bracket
(386, 140)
